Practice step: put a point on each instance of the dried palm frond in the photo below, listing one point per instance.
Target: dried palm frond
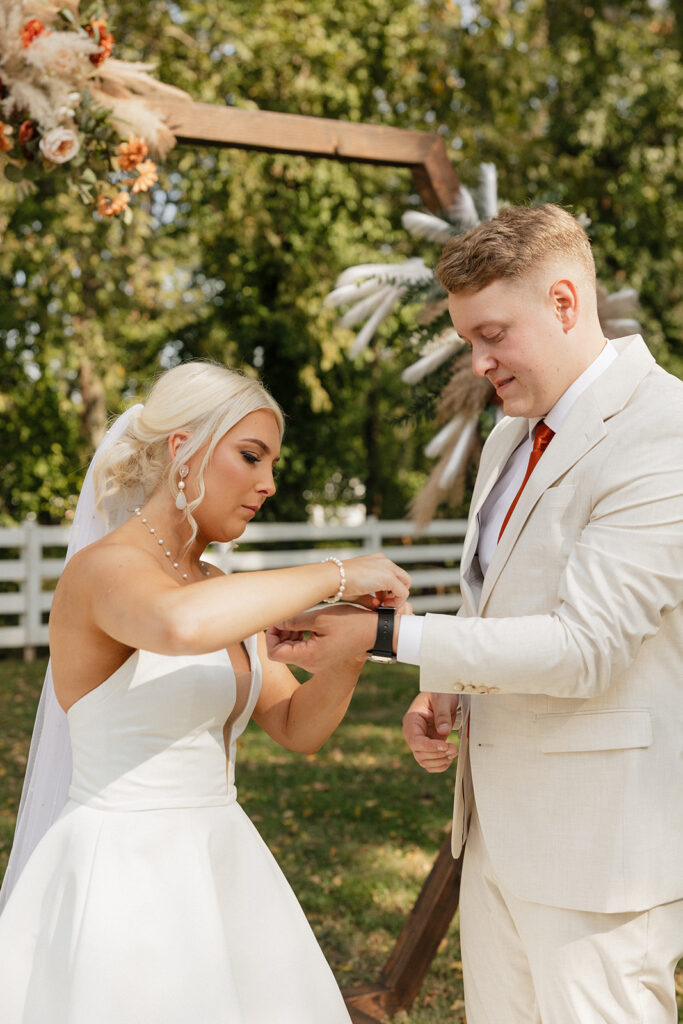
(374, 290)
(445, 438)
(379, 287)
(426, 225)
(389, 300)
(487, 193)
(440, 349)
(447, 479)
(463, 210)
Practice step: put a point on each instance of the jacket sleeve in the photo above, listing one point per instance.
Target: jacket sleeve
(623, 576)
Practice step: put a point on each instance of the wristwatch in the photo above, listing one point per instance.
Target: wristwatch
(383, 651)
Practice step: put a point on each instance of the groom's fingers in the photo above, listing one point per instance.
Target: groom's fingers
(431, 753)
(433, 757)
(282, 644)
(292, 652)
(416, 734)
(444, 708)
(297, 624)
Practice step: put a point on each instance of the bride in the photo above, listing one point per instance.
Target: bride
(150, 898)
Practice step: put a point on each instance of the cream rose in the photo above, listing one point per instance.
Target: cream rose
(59, 145)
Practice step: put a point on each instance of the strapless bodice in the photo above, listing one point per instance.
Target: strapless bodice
(152, 734)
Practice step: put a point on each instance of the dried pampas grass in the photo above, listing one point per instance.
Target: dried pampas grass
(435, 491)
(129, 92)
(458, 442)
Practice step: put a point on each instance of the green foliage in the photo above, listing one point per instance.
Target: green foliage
(232, 253)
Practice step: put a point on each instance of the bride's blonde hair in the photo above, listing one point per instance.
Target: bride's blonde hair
(202, 398)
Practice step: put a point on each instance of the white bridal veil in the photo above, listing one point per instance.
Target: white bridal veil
(48, 773)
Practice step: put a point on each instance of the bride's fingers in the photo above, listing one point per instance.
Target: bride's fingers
(390, 600)
(370, 601)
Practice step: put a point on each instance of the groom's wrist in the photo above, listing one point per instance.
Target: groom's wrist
(383, 647)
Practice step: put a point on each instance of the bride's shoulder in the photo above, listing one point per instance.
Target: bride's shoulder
(110, 557)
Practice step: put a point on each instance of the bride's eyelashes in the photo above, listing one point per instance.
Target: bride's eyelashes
(250, 457)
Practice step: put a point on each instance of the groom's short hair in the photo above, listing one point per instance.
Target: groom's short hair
(508, 246)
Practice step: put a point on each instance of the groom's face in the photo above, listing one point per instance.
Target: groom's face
(515, 331)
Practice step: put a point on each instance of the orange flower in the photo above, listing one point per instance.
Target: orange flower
(31, 30)
(26, 132)
(111, 207)
(147, 175)
(98, 31)
(5, 143)
(132, 153)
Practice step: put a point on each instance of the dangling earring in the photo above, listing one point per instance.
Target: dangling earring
(181, 500)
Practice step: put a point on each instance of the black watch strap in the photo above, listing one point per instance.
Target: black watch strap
(384, 641)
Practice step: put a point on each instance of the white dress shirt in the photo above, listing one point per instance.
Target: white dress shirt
(494, 509)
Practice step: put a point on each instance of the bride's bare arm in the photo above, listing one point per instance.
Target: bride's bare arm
(131, 600)
(301, 716)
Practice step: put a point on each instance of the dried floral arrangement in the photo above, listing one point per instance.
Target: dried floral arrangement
(67, 105)
(467, 407)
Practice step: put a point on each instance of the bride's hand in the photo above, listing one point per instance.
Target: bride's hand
(323, 637)
(319, 639)
(374, 579)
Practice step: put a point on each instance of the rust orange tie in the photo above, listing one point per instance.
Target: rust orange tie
(543, 435)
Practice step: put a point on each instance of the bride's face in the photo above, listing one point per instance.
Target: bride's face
(239, 477)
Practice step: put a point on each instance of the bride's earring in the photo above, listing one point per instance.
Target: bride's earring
(181, 500)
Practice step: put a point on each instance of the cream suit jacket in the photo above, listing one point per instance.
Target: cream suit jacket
(571, 653)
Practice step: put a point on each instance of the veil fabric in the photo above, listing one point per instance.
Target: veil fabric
(48, 772)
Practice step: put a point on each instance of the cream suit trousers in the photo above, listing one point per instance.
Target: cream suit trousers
(525, 963)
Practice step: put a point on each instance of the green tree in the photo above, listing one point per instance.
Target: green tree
(231, 255)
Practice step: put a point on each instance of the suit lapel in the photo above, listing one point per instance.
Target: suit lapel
(509, 434)
(583, 428)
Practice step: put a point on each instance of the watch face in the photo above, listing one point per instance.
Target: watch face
(382, 659)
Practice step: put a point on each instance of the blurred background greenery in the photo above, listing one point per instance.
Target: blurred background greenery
(231, 255)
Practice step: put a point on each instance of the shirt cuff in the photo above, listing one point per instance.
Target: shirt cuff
(409, 643)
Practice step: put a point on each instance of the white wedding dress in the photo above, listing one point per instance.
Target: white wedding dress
(153, 899)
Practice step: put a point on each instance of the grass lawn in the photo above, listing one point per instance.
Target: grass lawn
(355, 827)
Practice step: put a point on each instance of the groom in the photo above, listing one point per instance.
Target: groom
(565, 663)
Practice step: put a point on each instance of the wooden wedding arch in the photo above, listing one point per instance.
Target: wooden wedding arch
(424, 154)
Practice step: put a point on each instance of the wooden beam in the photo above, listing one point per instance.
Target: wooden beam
(422, 932)
(435, 179)
(422, 152)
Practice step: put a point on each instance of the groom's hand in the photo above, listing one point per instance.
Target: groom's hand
(317, 639)
(426, 724)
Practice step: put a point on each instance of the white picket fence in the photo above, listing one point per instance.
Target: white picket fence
(30, 567)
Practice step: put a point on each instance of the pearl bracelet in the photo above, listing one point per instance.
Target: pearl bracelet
(342, 580)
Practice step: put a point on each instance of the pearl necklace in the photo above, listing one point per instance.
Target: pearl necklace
(159, 540)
